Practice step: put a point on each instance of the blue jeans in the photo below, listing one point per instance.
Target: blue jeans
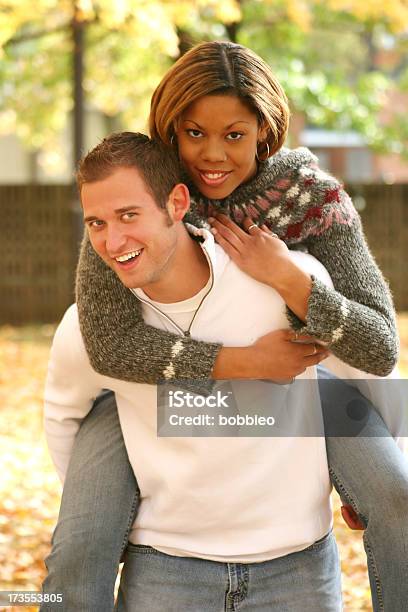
(307, 580)
(98, 506)
(100, 501)
(370, 473)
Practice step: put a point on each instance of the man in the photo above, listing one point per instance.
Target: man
(245, 519)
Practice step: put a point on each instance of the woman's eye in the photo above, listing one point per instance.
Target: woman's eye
(235, 135)
(194, 133)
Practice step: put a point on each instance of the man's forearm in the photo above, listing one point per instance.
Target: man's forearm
(60, 438)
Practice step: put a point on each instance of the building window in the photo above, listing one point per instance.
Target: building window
(358, 166)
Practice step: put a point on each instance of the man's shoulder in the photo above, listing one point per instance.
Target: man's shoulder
(68, 343)
(70, 321)
(307, 262)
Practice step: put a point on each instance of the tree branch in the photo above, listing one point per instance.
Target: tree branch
(16, 40)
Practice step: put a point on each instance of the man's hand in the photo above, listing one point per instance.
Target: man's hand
(279, 356)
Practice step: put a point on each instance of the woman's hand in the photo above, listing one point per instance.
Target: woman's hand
(261, 254)
(280, 356)
(257, 251)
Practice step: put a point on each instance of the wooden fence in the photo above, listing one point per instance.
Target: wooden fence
(38, 250)
(40, 237)
(385, 223)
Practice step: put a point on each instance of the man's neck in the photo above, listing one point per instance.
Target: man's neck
(189, 273)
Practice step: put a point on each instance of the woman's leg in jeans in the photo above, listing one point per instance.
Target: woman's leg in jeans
(370, 473)
(99, 502)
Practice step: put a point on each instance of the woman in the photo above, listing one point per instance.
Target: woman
(240, 169)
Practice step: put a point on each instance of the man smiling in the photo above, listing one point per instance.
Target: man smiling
(142, 242)
(243, 519)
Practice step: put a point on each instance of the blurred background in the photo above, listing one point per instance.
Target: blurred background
(71, 72)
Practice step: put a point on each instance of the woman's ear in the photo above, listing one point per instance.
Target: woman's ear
(263, 132)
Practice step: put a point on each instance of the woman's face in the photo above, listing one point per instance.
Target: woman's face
(217, 139)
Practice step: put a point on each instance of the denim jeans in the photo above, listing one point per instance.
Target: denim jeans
(371, 474)
(152, 581)
(100, 501)
(98, 506)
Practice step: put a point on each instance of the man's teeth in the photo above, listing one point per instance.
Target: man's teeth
(123, 258)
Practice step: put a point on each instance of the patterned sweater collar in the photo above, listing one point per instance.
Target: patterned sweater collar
(280, 164)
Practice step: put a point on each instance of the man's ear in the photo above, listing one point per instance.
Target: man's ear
(178, 202)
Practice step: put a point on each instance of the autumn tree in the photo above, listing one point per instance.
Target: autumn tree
(337, 59)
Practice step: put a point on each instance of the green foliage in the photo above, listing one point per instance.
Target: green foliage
(34, 91)
(326, 53)
(328, 65)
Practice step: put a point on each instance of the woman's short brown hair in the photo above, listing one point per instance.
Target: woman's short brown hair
(214, 68)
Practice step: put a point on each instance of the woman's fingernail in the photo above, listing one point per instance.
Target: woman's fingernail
(213, 230)
(211, 219)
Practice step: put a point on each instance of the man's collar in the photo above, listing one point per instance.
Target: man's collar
(216, 256)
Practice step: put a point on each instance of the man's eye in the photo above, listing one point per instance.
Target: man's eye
(235, 136)
(96, 224)
(128, 216)
(194, 133)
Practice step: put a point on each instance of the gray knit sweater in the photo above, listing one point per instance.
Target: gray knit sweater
(308, 209)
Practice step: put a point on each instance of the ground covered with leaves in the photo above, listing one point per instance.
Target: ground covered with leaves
(30, 490)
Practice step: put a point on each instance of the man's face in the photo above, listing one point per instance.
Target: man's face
(127, 229)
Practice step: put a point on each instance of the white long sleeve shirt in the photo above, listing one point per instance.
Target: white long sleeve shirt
(236, 499)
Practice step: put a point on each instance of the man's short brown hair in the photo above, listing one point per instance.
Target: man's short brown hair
(157, 163)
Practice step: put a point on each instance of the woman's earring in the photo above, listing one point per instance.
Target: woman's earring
(265, 157)
(172, 139)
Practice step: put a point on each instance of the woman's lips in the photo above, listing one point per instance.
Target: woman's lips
(214, 178)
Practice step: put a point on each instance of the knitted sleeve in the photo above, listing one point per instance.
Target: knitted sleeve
(118, 342)
(357, 317)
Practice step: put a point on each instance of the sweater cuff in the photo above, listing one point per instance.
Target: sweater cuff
(191, 373)
(326, 314)
(184, 363)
